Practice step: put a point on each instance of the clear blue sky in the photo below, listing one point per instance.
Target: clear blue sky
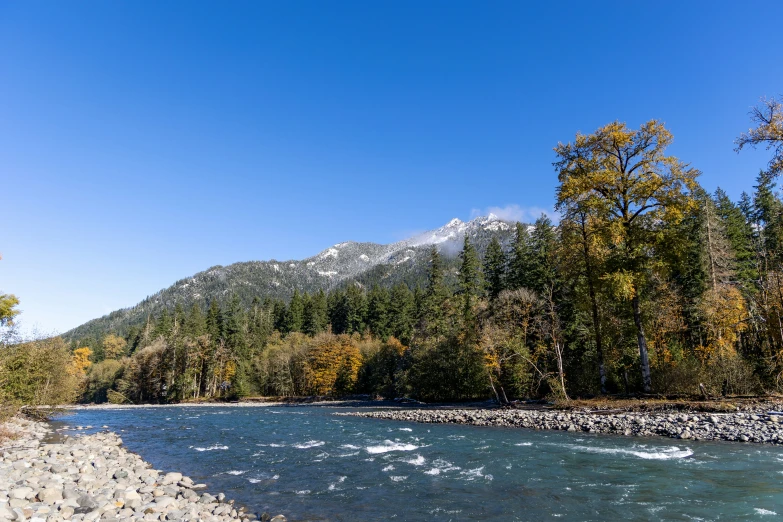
(141, 142)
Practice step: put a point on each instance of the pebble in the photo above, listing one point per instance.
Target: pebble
(754, 426)
(92, 477)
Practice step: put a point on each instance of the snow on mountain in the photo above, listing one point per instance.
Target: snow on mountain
(336, 265)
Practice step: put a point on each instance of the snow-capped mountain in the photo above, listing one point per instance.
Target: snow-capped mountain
(343, 263)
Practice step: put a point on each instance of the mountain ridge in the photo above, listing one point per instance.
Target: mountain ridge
(362, 263)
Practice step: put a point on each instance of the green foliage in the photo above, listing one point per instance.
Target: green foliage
(8, 304)
(38, 373)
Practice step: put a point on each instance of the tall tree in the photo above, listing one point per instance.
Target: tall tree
(215, 321)
(316, 317)
(520, 261)
(433, 313)
(470, 278)
(580, 230)
(295, 313)
(624, 177)
(378, 312)
(495, 269)
(402, 313)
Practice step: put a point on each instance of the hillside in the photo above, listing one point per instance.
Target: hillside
(344, 263)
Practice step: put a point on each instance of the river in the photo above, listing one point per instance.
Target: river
(309, 464)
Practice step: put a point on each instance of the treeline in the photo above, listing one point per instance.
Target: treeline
(647, 284)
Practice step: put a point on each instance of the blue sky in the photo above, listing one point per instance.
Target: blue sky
(141, 142)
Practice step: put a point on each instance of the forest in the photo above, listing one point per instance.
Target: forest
(648, 284)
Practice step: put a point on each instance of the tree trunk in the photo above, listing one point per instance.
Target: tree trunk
(642, 341)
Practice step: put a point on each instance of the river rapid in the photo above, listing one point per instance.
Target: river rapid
(309, 464)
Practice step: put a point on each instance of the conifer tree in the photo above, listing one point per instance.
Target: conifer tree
(739, 234)
(315, 314)
(470, 278)
(195, 324)
(215, 322)
(378, 312)
(434, 297)
(235, 336)
(494, 268)
(402, 313)
(520, 261)
(355, 309)
(295, 314)
(541, 273)
(164, 324)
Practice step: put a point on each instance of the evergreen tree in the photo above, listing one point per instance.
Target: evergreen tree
(280, 313)
(740, 237)
(337, 310)
(355, 309)
(470, 279)
(378, 312)
(215, 322)
(494, 268)
(541, 273)
(179, 317)
(402, 313)
(235, 336)
(433, 301)
(164, 324)
(195, 324)
(521, 259)
(295, 314)
(316, 318)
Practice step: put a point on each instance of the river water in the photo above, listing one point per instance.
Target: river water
(309, 464)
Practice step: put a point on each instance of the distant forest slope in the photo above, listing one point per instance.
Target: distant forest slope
(365, 264)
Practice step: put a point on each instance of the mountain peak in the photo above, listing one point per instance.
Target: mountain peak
(454, 223)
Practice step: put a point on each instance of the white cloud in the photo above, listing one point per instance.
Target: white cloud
(513, 212)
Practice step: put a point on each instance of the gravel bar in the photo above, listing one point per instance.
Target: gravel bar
(92, 477)
(741, 427)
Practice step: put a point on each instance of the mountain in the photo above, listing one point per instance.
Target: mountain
(344, 263)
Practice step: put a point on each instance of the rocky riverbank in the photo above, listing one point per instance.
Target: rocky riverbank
(92, 477)
(741, 426)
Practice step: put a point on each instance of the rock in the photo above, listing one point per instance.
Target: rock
(21, 493)
(278, 518)
(172, 478)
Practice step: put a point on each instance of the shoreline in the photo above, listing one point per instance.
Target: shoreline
(753, 427)
(92, 477)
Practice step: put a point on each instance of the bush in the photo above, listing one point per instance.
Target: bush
(38, 373)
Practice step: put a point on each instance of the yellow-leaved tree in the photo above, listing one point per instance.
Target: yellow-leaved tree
(80, 361)
(113, 347)
(622, 178)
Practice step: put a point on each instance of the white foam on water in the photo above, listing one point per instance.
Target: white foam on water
(303, 492)
(405, 429)
(254, 481)
(390, 446)
(211, 448)
(333, 486)
(388, 468)
(666, 453)
(473, 474)
(398, 478)
(418, 461)
(349, 446)
(349, 454)
(310, 444)
(441, 466)
(524, 444)
(762, 511)
(235, 472)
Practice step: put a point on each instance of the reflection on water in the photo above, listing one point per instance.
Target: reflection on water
(308, 464)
